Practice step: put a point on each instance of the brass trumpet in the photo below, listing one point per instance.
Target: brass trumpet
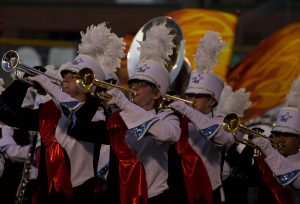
(11, 62)
(170, 98)
(86, 80)
(232, 124)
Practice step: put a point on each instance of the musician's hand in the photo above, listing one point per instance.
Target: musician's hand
(33, 173)
(264, 145)
(182, 108)
(256, 129)
(41, 79)
(7, 135)
(40, 82)
(118, 98)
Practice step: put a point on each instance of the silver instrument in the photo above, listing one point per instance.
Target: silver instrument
(178, 64)
(177, 58)
(20, 195)
(11, 62)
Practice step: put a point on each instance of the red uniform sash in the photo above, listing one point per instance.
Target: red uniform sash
(58, 172)
(132, 179)
(282, 195)
(196, 179)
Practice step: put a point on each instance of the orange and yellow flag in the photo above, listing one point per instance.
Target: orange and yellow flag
(269, 70)
(196, 22)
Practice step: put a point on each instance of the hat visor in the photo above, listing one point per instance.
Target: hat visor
(198, 91)
(284, 130)
(143, 78)
(69, 69)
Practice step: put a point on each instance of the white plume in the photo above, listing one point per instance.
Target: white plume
(233, 101)
(293, 97)
(52, 71)
(103, 45)
(113, 54)
(158, 45)
(208, 51)
(94, 40)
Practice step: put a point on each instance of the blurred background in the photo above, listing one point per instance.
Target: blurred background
(48, 31)
(48, 24)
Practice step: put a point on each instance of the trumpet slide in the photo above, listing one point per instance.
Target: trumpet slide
(11, 62)
(86, 80)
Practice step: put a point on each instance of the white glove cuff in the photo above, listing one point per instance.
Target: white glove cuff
(182, 108)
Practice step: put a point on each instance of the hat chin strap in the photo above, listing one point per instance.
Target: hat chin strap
(208, 106)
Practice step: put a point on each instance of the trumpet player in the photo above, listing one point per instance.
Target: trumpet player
(205, 135)
(139, 133)
(237, 163)
(283, 160)
(72, 125)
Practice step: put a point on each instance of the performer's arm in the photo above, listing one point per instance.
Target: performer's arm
(285, 171)
(9, 147)
(16, 153)
(163, 126)
(208, 127)
(167, 128)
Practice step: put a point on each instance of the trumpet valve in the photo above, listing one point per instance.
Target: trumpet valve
(102, 95)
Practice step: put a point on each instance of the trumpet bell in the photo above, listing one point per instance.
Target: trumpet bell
(85, 79)
(231, 122)
(10, 60)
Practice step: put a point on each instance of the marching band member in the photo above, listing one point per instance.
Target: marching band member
(68, 160)
(108, 49)
(15, 145)
(284, 160)
(237, 163)
(206, 135)
(140, 133)
(23, 118)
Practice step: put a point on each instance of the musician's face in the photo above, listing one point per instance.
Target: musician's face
(146, 94)
(202, 102)
(69, 85)
(289, 144)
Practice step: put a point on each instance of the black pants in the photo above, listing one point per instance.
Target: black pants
(217, 196)
(90, 192)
